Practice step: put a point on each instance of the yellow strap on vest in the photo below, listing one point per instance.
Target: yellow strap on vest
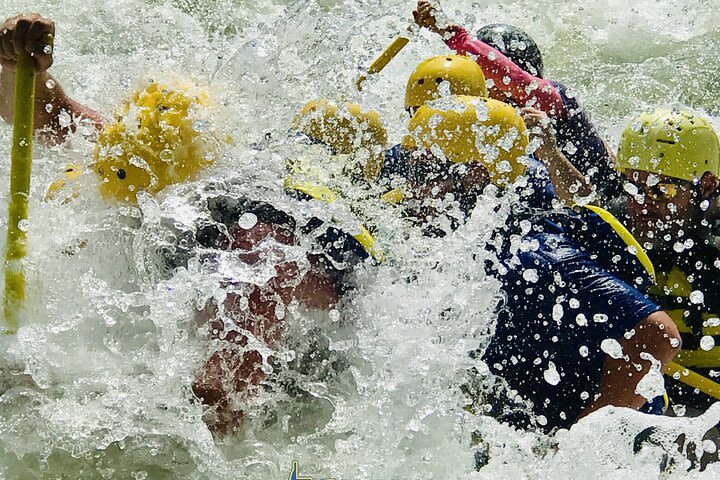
(626, 237)
(393, 197)
(693, 379)
(324, 194)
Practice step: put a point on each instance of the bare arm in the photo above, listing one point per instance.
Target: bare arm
(27, 32)
(567, 180)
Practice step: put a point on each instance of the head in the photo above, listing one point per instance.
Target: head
(442, 76)
(332, 252)
(462, 144)
(671, 162)
(160, 136)
(515, 44)
(346, 129)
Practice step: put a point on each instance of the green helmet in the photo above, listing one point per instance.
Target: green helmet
(672, 143)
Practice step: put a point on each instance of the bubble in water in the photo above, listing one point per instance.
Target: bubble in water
(47, 49)
(584, 351)
(531, 275)
(704, 205)
(612, 347)
(247, 221)
(334, 315)
(48, 107)
(584, 395)
(600, 318)
(697, 297)
(581, 320)
(50, 84)
(574, 303)
(679, 247)
(674, 342)
(551, 375)
(557, 312)
(707, 343)
(23, 225)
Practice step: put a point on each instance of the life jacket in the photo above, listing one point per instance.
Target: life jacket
(689, 295)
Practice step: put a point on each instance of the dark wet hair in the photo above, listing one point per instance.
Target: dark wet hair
(337, 247)
(515, 44)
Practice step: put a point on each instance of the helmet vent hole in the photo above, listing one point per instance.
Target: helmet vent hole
(449, 59)
(669, 142)
(121, 174)
(421, 81)
(438, 80)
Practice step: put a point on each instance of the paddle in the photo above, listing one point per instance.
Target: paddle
(388, 54)
(21, 160)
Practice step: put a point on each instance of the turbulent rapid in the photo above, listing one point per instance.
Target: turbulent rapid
(97, 382)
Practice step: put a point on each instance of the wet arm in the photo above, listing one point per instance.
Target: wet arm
(50, 103)
(522, 87)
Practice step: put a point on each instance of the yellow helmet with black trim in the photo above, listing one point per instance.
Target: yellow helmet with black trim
(347, 129)
(463, 74)
(157, 138)
(471, 129)
(668, 142)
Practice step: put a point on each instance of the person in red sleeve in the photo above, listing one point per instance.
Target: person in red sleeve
(513, 66)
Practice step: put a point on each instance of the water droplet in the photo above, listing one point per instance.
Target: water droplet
(631, 189)
(652, 385)
(707, 343)
(697, 297)
(50, 84)
(201, 126)
(247, 221)
(570, 148)
(530, 275)
(679, 410)
(612, 347)
(709, 446)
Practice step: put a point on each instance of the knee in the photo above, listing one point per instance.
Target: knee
(659, 336)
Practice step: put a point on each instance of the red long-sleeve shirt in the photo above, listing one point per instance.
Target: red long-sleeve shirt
(523, 88)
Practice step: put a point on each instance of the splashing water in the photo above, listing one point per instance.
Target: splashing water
(97, 382)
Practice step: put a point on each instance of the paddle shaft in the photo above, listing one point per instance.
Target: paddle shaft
(21, 160)
(381, 62)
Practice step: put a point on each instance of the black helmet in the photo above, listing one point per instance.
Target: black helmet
(514, 44)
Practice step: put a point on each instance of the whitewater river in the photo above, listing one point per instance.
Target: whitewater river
(96, 384)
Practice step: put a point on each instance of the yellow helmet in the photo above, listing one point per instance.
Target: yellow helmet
(672, 143)
(462, 73)
(66, 187)
(346, 129)
(468, 129)
(158, 137)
